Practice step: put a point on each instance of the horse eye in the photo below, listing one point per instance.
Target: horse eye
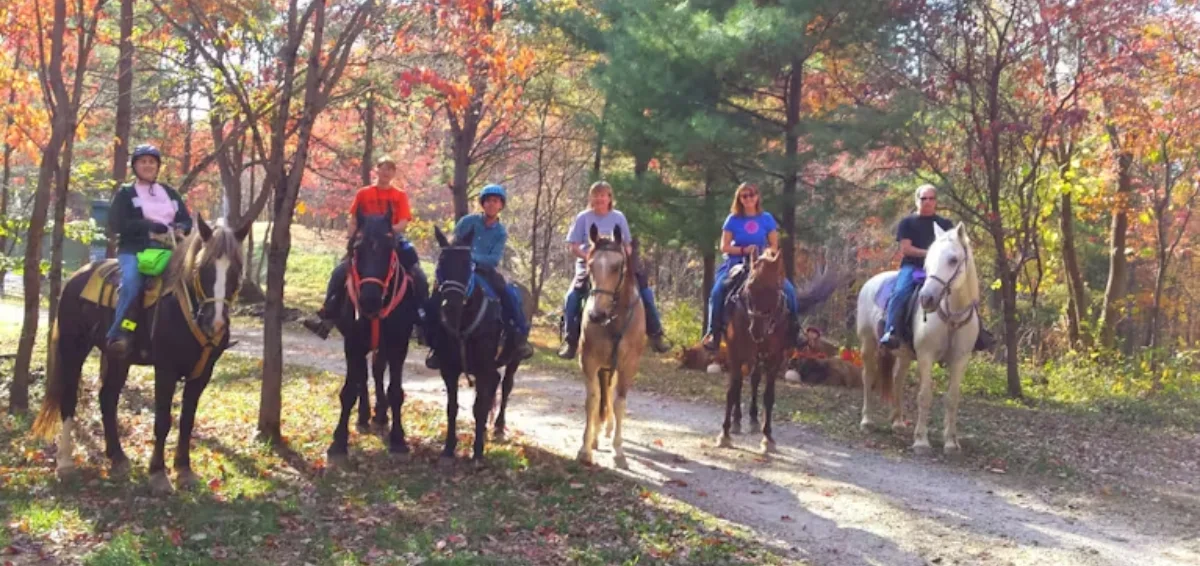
(953, 261)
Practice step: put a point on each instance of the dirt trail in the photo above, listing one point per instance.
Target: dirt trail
(826, 502)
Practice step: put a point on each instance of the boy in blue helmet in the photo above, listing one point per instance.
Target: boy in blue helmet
(141, 214)
(487, 248)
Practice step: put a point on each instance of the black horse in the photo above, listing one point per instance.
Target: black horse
(182, 335)
(468, 332)
(378, 317)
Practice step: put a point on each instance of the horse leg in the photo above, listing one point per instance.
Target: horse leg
(397, 443)
(620, 391)
(899, 379)
(733, 401)
(506, 387)
(485, 397)
(768, 442)
(383, 396)
(924, 400)
(870, 375)
(110, 394)
(755, 379)
(192, 390)
(164, 393)
(451, 381)
(950, 434)
(69, 366)
(356, 375)
(364, 408)
(607, 414)
(591, 409)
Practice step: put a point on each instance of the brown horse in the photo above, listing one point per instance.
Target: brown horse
(182, 335)
(758, 338)
(613, 339)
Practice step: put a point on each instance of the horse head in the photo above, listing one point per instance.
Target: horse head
(373, 261)
(949, 265)
(609, 269)
(209, 260)
(454, 271)
(766, 274)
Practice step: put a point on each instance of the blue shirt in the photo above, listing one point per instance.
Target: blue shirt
(488, 246)
(606, 224)
(748, 231)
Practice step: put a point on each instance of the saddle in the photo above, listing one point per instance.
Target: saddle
(101, 289)
(736, 280)
(904, 326)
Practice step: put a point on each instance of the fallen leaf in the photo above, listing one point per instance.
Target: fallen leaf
(658, 442)
(679, 483)
(786, 518)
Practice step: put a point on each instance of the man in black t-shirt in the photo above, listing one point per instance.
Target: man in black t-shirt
(915, 235)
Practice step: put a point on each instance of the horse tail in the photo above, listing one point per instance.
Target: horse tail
(817, 291)
(46, 424)
(887, 365)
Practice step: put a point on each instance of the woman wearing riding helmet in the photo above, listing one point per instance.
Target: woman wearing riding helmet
(748, 231)
(138, 211)
(487, 249)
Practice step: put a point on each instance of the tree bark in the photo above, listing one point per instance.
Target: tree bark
(368, 139)
(1114, 291)
(6, 176)
(62, 186)
(791, 168)
(123, 126)
(1077, 305)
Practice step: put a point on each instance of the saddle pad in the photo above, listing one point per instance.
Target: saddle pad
(885, 290)
(101, 287)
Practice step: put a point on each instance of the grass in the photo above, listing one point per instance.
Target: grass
(257, 504)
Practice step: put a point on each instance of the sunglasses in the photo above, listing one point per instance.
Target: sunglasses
(928, 198)
(748, 195)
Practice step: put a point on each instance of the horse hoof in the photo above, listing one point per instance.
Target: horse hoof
(584, 457)
(953, 452)
(922, 449)
(755, 425)
(736, 428)
(363, 428)
(596, 444)
(185, 478)
(620, 462)
(898, 426)
(479, 463)
(119, 469)
(768, 447)
(498, 435)
(380, 424)
(399, 450)
(446, 462)
(724, 441)
(338, 460)
(160, 484)
(866, 425)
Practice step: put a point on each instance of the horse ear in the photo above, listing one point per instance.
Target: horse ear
(467, 238)
(441, 238)
(938, 232)
(205, 230)
(961, 230)
(617, 235)
(594, 234)
(244, 231)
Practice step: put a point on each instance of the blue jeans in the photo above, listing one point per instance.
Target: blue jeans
(510, 303)
(573, 310)
(716, 299)
(901, 292)
(127, 293)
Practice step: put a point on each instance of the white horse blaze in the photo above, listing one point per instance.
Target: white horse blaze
(222, 267)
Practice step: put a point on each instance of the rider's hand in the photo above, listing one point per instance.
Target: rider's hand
(159, 228)
(749, 250)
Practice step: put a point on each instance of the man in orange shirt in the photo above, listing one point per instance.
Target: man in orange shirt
(374, 200)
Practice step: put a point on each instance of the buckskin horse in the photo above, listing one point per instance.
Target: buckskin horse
(612, 341)
(183, 332)
(378, 318)
(951, 290)
(758, 338)
(470, 339)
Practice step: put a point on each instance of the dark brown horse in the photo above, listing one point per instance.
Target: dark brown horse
(758, 338)
(182, 335)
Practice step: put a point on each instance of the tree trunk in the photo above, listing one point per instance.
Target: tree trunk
(59, 130)
(534, 265)
(1077, 305)
(62, 186)
(368, 139)
(791, 168)
(123, 127)
(708, 252)
(597, 160)
(1114, 291)
(6, 176)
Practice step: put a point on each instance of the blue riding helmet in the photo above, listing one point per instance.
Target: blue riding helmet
(494, 190)
(145, 149)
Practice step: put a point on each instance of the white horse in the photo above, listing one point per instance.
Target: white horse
(951, 290)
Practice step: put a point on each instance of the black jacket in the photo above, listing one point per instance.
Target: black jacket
(131, 227)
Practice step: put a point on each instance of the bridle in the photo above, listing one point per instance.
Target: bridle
(956, 319)
(394, 285)
(770, 317)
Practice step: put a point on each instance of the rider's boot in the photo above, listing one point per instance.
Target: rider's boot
(320, 324)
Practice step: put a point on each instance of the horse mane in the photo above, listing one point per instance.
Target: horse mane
(193, 253)
(970, 280)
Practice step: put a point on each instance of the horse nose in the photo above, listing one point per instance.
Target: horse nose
(927, 302)
(595, 317)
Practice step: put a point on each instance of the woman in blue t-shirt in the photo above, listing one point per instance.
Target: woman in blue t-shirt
(748, 230)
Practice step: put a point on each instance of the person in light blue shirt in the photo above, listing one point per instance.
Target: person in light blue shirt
(748, 230)
(487, 249)
(607, 220)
